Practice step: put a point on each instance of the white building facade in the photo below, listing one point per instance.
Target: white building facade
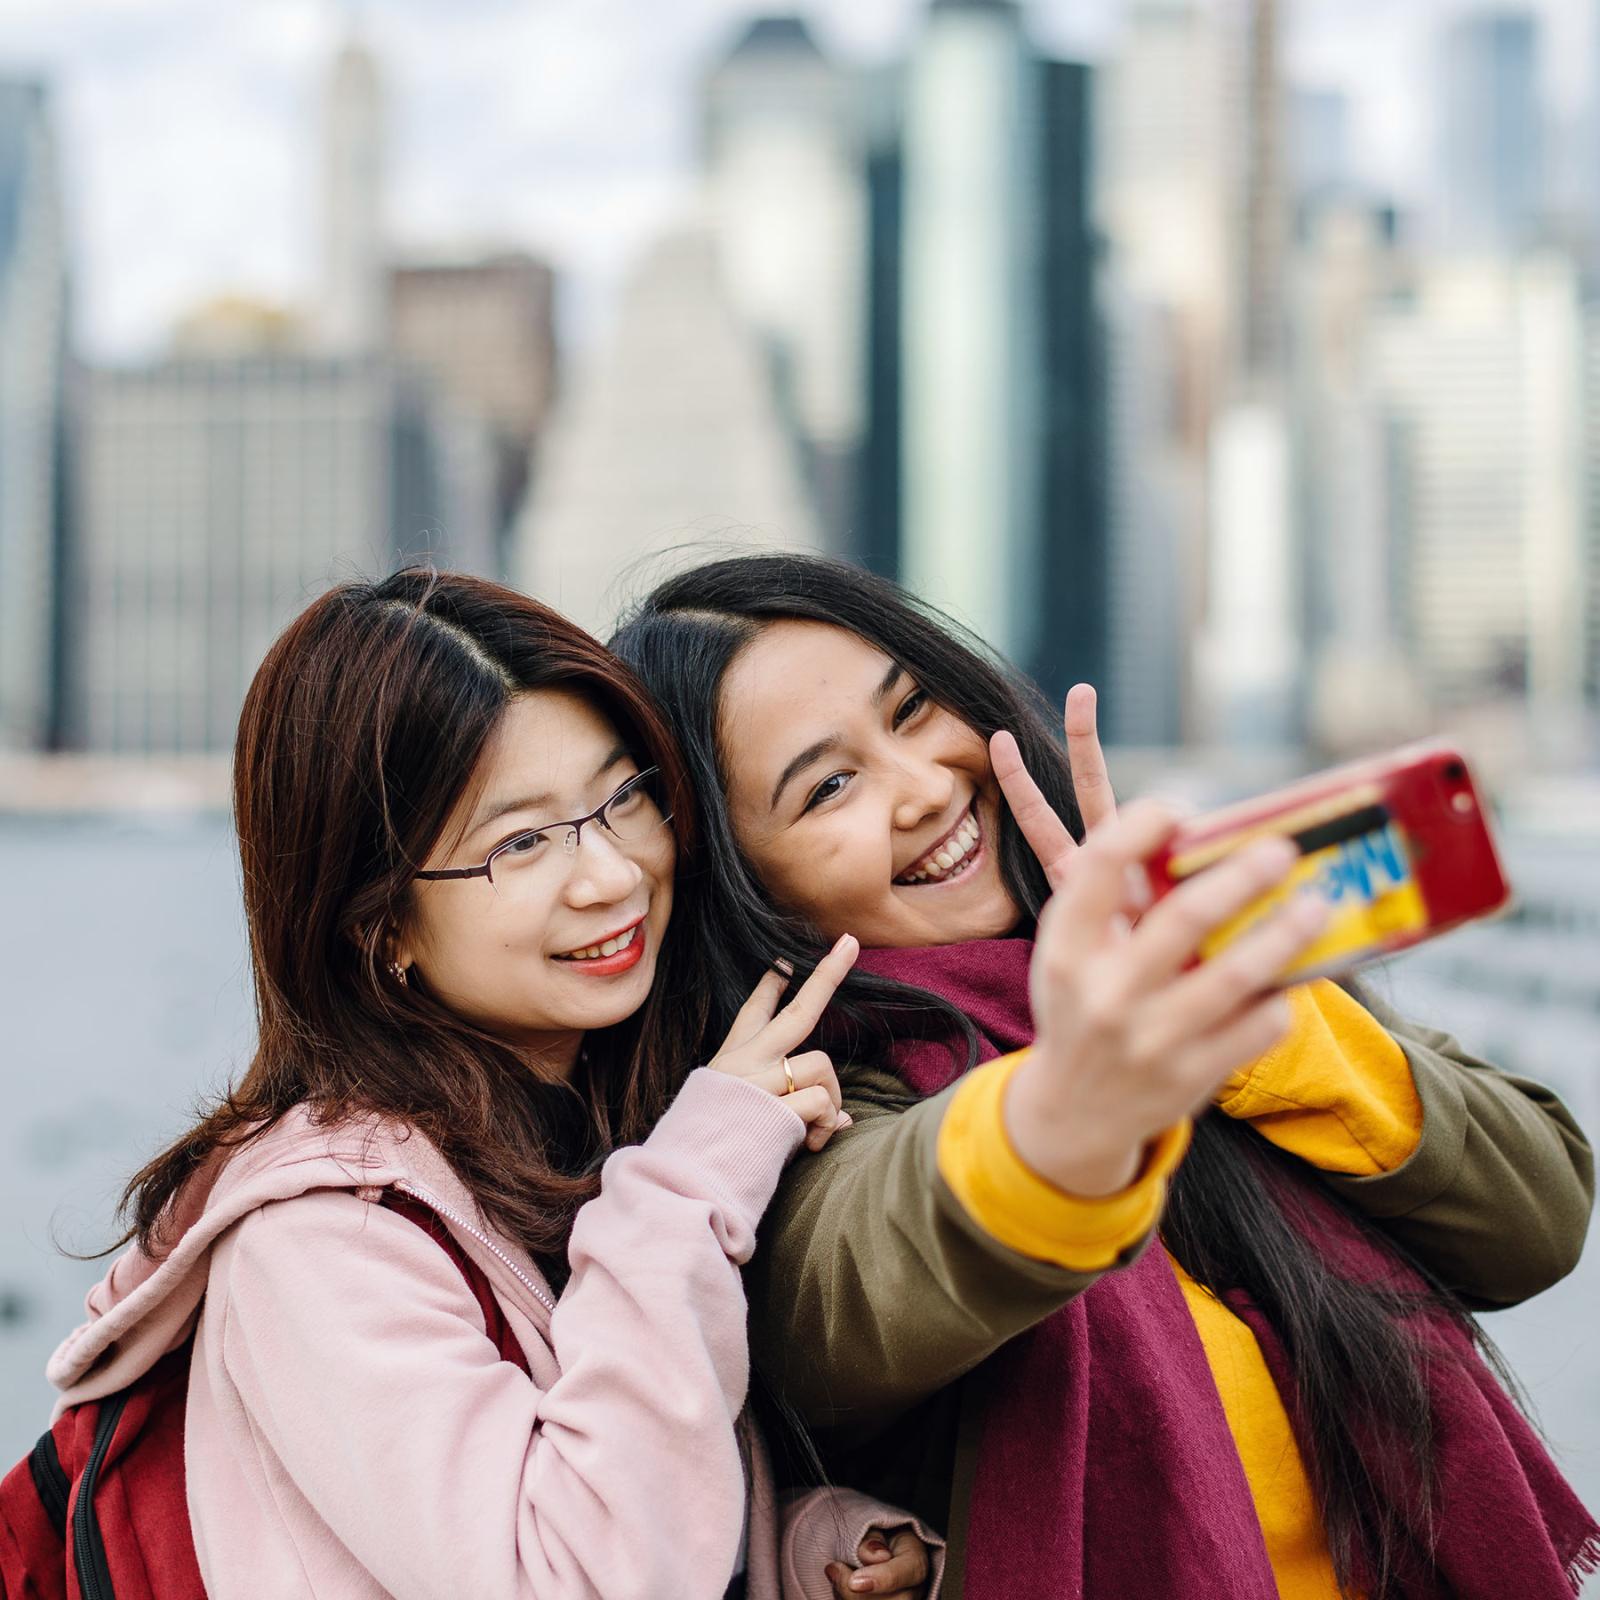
(216, 498)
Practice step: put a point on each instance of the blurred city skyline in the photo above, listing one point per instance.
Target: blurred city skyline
(1239, 356)
(187, 130)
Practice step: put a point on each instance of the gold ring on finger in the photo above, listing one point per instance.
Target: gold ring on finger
(788, 1076)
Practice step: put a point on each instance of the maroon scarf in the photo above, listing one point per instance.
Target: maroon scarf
(1106, 1470)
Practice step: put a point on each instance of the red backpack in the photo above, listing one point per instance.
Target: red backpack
(99, 1511)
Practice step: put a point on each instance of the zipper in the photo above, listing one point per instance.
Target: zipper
(51, 1482)
(88, 1548)
(433, 1203)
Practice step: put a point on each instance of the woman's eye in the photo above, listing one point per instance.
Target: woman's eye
(830, 786)
(910, 706)
(525, 844)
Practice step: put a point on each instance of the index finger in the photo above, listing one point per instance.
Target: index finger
(1091, 782)
(1046, 834)
(758, 1010)
(1097, 889)
(804, 1012)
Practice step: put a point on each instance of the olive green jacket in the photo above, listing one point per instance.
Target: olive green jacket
(874, 1295)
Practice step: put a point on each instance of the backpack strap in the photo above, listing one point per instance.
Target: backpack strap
(51, 1481)
(494, 1317)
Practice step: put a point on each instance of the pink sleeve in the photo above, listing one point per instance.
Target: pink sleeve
(359, 1361)
(828, 1525)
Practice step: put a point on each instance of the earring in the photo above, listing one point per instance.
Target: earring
(398, 972)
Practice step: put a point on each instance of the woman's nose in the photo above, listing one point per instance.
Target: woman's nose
(601, 873)
(926, 790)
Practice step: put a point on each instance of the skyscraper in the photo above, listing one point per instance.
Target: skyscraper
(1160, 185)
(485, 332)
(1255, 139)
(996, 377)
(671, 437)
(1250, 655)
(1490, 137)
(1590, 584)
(1482, 375)
(972, 537)
(1073, 597)
(1151, 493)
(350, 303)
(788, 208)
(1362, 691)
(215, 498)
(1319, 145)
(32, 364)
(878, 476)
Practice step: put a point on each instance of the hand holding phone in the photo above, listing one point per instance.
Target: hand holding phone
(1398, 847)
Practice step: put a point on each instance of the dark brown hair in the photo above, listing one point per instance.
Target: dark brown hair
(358, 736)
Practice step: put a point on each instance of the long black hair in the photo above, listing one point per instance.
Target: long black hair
(1360, 1400)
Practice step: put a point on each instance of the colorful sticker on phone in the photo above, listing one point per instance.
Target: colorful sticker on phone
(1360, 867)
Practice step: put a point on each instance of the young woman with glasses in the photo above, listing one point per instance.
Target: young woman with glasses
(460, 1252)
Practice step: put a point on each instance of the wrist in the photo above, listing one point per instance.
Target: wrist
(1064, 1149)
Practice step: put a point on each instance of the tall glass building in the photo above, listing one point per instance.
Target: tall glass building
(994, 380)
(1490, 150)
(33, 310)
(216, 497)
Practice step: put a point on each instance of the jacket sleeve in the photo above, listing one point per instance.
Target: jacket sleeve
(359, 1359)
(825, 1525)
(1495, 1199)
(873, 1287)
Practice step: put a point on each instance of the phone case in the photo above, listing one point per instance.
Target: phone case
(1398, 846)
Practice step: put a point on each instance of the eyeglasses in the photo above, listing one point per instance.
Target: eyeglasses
(543, 856)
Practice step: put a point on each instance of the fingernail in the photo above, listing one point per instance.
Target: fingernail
(845, 1120)
(844, 940)
(785, 967)
(860, 1582)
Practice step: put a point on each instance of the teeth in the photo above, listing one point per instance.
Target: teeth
(609, 948)
(949, 855)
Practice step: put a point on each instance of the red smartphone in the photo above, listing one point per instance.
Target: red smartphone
(1398, 846)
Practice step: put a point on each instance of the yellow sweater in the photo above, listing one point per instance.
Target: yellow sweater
(1338, 1093)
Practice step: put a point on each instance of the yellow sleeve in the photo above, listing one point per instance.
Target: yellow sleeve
(1025, 1212)
(1337, 1092)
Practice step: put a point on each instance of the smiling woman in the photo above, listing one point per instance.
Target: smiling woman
(442, 1295)
(884, 812)
(520, 940)
(1143, 1278)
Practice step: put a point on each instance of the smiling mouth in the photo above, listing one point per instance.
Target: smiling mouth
(953, 856)
(606, 947)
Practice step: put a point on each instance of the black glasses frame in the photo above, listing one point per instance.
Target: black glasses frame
(485, 868)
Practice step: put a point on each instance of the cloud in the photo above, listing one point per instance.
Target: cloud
(189, 131)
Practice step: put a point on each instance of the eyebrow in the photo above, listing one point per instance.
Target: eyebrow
(832, 741)
(533, 802)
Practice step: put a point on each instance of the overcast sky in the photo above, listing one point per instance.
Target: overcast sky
(187, 126)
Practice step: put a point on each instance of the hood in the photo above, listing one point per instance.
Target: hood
(146, 1306)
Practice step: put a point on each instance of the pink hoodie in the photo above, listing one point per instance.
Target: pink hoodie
(352, 1432)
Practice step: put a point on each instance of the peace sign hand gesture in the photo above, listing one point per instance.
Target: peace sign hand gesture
(1045, 832)
(758, 1044)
